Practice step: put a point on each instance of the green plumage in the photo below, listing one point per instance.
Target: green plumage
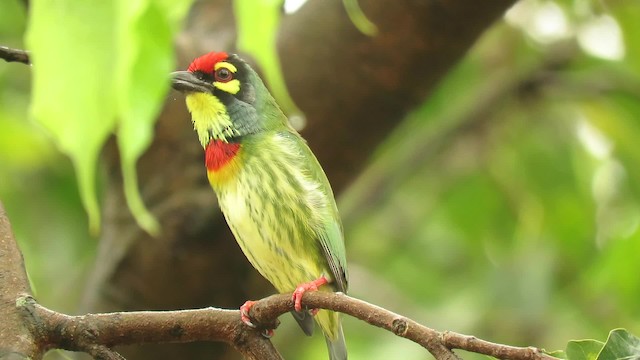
(273, 192)
(283, 215)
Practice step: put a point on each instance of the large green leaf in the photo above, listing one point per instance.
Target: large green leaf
(73, 53)
(144, 57)
(102, 67)
(620, 345)
(583, 349)
(257, 23)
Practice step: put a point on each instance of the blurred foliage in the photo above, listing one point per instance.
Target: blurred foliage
(92, 81)
(359, 19)
(257, 27)
(37, 184)
(507, 206)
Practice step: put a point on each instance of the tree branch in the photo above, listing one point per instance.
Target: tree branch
(471, 343)
(15, 338)
(14, 55)
(100, 352)
(97, 333)
(29, 329)
(438, 343)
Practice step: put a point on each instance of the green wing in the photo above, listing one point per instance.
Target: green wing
(332, 244)
(330, 234)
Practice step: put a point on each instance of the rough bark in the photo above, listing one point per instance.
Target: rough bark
(354, 89)
(16, 341)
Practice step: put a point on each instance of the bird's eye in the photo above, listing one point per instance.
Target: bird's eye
(223, 75)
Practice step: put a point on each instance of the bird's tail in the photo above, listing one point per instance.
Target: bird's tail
(337, 347)
(331, 326)
(305, 320)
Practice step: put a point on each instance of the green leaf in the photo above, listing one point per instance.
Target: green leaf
(620, 345)
(73, 83)
(560, 354)
(87, 74)
(257, 24)
(583, 349)
(175, 11)
(144, 59)
(359, 19)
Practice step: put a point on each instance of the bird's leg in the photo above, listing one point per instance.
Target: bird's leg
(244, 316)
(302, 288)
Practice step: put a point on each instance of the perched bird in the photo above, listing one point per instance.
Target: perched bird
(270, 187)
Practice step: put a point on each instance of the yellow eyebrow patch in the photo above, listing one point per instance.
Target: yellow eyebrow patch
(233, 86)
(227, 65)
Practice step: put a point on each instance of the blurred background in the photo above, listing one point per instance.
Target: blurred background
(505, 205)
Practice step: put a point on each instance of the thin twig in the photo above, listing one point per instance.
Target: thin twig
(265, 309)
(101, 352)
(473, 344)
(14, 55)
(438, 343)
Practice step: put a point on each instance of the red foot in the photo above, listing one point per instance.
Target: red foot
(244, 313)
(244, 316)
(302, 288)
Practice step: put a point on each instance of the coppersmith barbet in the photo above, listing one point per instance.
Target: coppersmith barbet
(273, 192)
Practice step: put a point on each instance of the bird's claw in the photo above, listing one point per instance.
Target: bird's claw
(246, 319)
(302, 288)
(244, 313)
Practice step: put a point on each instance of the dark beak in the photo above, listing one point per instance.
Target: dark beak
(186, 81)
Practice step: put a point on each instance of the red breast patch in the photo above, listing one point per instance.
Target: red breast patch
(219, 153)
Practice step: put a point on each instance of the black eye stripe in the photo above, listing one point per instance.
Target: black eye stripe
(201, 75)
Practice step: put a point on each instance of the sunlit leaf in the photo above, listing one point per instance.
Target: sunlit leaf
(145, 58)
(94, 78)
(73, 82)
(257, 24)
(620, 345)
(583, 349)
